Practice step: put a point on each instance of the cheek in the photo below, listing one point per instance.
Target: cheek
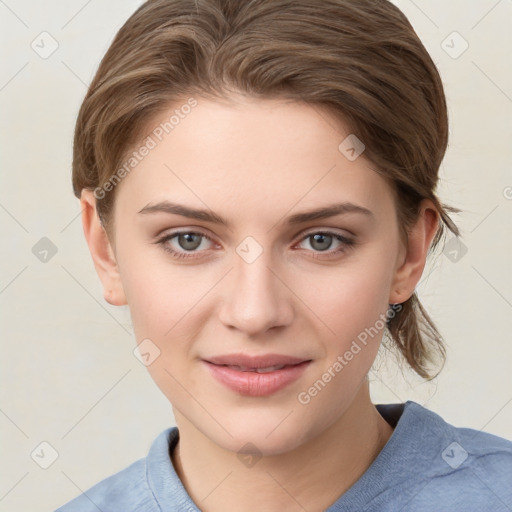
(164, 304)
(348, 299)
(159, 293)
(353, 304)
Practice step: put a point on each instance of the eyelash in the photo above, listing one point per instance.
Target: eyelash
(347, 244)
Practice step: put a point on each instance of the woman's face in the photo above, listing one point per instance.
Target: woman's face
(272, 281)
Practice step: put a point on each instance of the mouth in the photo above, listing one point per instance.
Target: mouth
(256, 375)
(268, 369)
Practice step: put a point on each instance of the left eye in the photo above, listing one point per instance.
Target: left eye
(323, 240)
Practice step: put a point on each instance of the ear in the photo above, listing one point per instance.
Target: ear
(410, 268)
(101, 251)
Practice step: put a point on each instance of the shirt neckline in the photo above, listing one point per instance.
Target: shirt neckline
(410, 431)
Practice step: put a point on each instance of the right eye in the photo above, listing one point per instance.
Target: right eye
(186, 244)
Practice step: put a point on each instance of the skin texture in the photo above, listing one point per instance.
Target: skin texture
(255, 162)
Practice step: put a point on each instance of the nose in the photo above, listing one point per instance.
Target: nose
(256, 297)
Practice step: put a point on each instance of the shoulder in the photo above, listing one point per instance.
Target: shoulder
(128, 490)
(466, 443)
(460, 465)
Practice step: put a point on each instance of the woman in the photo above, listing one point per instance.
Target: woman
(258, 184)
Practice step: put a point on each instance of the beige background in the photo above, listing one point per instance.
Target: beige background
(69, 377)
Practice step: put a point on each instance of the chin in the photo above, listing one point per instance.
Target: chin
(256, 442)
(264, 434)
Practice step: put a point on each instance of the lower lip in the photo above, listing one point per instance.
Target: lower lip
(256, 384)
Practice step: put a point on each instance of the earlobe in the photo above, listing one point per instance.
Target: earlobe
(410, 268)
(101, 251)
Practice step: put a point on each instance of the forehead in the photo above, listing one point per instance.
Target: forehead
(252, 155)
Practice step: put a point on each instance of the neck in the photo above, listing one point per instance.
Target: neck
(311, 477)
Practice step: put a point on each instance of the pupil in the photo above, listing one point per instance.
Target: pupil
(189, 241)
(321, 238)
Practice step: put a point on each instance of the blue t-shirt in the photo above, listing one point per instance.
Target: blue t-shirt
(427, 465)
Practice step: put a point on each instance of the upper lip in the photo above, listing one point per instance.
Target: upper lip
(263, 361)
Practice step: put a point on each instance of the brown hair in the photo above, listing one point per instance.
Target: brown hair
(361, 59)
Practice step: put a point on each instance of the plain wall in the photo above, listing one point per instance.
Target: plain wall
(69, 376)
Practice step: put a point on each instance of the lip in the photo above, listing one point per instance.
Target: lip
(250, 383)
(263, 361)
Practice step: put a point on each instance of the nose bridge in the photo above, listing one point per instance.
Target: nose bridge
(257, 299)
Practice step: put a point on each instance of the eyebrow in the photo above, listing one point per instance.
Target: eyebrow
(298, 218)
